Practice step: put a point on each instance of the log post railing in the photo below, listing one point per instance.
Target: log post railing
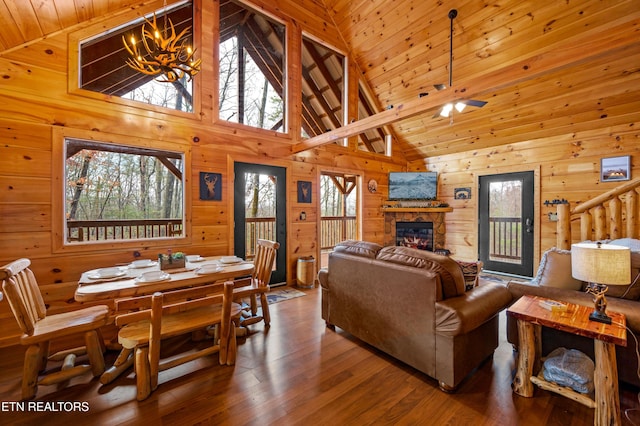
(593, 215)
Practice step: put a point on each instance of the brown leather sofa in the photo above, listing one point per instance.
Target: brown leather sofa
(554, 281)
(412, 305)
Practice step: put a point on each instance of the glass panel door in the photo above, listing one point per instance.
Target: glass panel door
(260, 212)
(506, 223)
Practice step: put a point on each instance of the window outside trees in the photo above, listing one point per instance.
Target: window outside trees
(103, 67)
(252, 68)
(117, 192)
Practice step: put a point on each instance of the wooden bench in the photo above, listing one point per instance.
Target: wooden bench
(164, 315)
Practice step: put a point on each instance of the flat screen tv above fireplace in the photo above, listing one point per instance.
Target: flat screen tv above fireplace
(413, 186)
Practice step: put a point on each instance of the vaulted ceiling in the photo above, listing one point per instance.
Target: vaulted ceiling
(546, 68)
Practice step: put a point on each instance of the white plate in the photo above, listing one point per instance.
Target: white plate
(163, 277)
(194, 260)
(211, 269)
(230, 260)
(138, 264)
(103, 273)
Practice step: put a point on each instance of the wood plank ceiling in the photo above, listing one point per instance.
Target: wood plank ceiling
(402, 50)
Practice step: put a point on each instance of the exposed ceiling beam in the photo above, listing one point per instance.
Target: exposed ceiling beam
(537, 65)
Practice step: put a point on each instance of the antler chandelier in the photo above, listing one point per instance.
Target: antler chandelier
(162, 52)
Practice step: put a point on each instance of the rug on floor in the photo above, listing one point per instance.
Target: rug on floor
(279, 295)
(495, 278)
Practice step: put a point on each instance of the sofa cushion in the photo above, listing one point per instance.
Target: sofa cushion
(555, 270)
(358, 248)
(470, 272)
(450, 272)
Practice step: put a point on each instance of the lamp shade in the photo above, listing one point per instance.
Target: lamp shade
(601, 263)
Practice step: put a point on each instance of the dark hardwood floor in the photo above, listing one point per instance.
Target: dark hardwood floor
(299, 372)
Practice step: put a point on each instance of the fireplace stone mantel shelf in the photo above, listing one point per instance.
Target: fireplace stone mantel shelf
(418, 209)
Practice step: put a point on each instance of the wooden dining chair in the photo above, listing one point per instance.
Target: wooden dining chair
(263, 262)
(39, 329)
(164, 315)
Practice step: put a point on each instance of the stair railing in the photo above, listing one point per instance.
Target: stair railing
(593, 215)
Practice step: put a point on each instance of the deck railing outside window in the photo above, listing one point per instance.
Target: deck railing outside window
(334, 229)
(129, 229)
(263, 228)
(506, 241)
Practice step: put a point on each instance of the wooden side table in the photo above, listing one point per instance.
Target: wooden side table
(531, 317)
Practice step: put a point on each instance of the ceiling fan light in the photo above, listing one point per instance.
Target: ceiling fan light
(460, 106)
(446, 110)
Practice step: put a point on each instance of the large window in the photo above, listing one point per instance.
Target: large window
(374, 140)
(103, 67)
(118, 192)
(252, 68)
(323, 88)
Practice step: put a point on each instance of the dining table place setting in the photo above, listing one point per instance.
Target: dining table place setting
(144, 276)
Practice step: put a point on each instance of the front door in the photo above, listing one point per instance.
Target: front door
(506, 213)
(260, 212)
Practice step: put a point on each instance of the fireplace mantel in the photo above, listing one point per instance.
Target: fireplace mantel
(418, 209)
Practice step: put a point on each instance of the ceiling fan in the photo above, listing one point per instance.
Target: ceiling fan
(447, 109)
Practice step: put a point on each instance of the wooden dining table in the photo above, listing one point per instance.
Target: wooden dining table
(128, 282)
(92, 287)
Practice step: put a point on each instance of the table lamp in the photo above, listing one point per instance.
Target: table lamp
(600, 265)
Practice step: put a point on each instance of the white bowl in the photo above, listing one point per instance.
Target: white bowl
(142, 263)
(208, 269)
(108, 272)
(153, 276)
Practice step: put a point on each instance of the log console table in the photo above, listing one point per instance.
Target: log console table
(531, 317)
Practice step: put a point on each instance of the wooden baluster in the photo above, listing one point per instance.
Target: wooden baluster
(600, 220)
(633, 214)
(586, 226)
(615, 221)
(563, 239)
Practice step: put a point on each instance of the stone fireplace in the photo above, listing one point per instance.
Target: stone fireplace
(404, 216)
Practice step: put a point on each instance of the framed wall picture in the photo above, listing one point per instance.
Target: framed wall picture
(615, 168)
(462, 193)
(304, 191)
(210, 186)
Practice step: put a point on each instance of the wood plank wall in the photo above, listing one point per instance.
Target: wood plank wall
(34, 100)
(35, 104)
(569, 168)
